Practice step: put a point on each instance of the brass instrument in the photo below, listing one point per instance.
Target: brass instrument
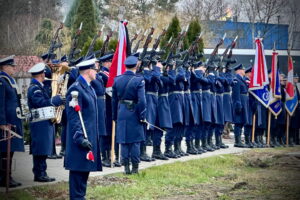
(60, 78)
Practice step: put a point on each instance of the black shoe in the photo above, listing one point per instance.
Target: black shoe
(190, 149)
(157, 154)
(11, 184)
(135, 168)
(106, 163)
(117, 164)
(127, 168)
(53, 156)
(44, 179)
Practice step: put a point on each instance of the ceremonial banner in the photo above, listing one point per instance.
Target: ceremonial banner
(259, 81)
(291, 96)
(275, 91)
(122, 51)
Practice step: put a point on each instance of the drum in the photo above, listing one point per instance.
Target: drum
(41, 114)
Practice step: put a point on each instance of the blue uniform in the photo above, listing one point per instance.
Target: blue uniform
(240, 100)
(42, 132)
(129, 108)
(8, 104)
(227, 99)
(75, 157)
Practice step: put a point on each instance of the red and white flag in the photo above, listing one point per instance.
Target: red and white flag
(290, 86)
(259, 81)
(117, 66)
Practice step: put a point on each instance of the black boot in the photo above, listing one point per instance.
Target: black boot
(210, 143)
(238, 142)
(106, 159)
(256, 139)
(291, 141)
(272, 142)
(218, 143)
(117, 160)
(135, 168)
(126, 167)
(62, 150)
(205, 146)
(144, 156)
(157, 154)
(248, 144)
(149, 140)
(176, 149)
(190, 149)
(223, 146)
(169, 152)
(261, 140)
(198, 147)
(276, 140)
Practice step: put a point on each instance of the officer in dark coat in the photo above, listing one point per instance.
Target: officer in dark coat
(42, 132)
(129, 112)
(78, 145)
(9, 101)
(163, 112)
(252, 110)
(240, 100)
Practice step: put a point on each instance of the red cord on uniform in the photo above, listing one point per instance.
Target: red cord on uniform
(77, 108)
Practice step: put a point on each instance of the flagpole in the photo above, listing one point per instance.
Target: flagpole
(287, 128)
(253, 127)
(112, 155)
(269, 128)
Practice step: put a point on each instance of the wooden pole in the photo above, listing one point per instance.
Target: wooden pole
(269, 128)
(253, 127)
(112, 155)
(8, 159)
(287, 129)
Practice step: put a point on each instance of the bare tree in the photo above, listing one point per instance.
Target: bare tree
(204, 9)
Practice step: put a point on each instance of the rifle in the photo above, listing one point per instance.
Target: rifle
(74, 44)
(228, 59)
(212, 56)
(105, 43)
(146, 44)
(138, 42)
(54, 43)
(192, 48)
(91, 47)
(135, 37)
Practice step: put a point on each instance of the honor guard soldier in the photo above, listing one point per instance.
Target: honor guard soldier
(240, 100)
(106, 136)
(82, 132)
(9, 101)
(42, 132)
(129, 112)
(295, 118)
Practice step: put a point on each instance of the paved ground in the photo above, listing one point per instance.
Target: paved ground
(22, 165)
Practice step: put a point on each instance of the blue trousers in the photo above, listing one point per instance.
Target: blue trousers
(219, 129)
(77, 184)
(247, 130)
(156, 137)
(189, 133)
(198, 132)
(39, 166)
(238, 129)
(131, 151)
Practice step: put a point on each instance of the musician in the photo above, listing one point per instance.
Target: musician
(240, 100)
(129, 111)
(9, 101)
(42, 132)
(77, 145)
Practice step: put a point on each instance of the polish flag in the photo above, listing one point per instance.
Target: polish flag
(290, 86)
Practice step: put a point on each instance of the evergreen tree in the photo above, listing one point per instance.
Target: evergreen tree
(192, 33)
(172, 31)
(98, 45)
(85, 14)
(71, 14)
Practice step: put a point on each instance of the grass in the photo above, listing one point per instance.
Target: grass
(256, 174)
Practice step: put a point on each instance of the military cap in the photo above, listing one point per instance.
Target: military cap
(64, 58)
(239, 66)
(8, 61)
(48, 55)
(248, 69)
(92, 56)
(55, 61)
(106, 58)
(37, 69)
(72, 63)
(131, 61)
(87, 64)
